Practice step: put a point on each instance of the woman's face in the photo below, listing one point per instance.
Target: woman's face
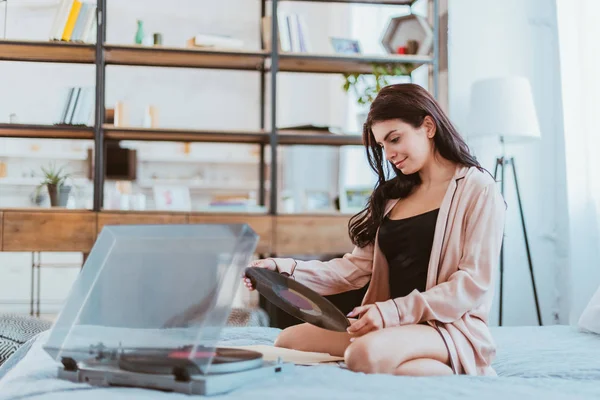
(409, 149)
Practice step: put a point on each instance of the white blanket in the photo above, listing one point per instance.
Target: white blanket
(554, 362)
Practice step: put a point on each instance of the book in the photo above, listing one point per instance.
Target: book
(272, 353)
(215, 41)
(74, 21)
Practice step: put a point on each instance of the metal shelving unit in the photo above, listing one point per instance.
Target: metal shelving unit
(267, 63)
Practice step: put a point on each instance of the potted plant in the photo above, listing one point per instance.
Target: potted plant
(54, 180)
(366, 86)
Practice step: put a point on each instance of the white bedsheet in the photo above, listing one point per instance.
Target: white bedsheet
(551, 351)
(554, 362)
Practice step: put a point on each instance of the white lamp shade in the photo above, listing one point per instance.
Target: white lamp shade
(503, 107)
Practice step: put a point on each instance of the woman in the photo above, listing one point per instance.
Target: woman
(427, 243)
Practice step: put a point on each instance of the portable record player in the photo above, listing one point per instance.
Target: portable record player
(149, 307)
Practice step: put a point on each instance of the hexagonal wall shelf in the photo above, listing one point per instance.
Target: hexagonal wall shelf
(402, 30)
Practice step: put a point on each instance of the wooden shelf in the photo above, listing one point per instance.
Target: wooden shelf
(46, 131)
(333, 64)
(59, 229)
(184, 135)
(324, 139)
(53, 52)
(385, 2)
(251, 137)
(158, 56)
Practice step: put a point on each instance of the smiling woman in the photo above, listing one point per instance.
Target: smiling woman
(427, 243)
(407, 127)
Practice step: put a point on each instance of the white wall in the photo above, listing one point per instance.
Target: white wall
(514, 37)
(581, 96)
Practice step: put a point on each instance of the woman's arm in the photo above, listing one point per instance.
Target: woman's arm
(352, 271)
(467, 287)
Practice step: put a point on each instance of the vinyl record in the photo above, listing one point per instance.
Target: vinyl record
(297, 300)
(163, 362)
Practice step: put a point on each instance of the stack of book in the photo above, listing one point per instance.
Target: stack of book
(292, 33)
(78, 106)
(75, 21)
(215, 41)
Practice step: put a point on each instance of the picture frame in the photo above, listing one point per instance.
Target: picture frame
(345, 46)
(353, 199)
(172, 198)
(318, 201)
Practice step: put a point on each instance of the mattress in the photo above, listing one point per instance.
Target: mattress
(553, 362)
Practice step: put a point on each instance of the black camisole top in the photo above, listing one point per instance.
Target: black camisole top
(406, 244)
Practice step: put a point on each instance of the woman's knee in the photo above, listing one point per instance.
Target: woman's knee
(306, 337)
(288, 338)
(362, 355)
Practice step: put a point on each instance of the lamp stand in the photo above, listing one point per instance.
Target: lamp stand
(502, 162)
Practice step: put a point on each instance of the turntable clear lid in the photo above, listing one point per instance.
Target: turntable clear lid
(154, 287)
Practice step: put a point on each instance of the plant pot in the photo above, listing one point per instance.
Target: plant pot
(53, 194)
(59, 195)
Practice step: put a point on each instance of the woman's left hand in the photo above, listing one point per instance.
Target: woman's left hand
(370, 320)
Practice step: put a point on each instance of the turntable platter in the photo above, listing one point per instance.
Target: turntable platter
(224, 360)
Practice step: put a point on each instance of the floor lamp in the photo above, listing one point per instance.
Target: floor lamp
(503, 108)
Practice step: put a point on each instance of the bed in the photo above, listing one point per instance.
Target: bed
(552, 362)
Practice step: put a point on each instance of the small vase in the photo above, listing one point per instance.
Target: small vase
(139, 35)
(63, 195)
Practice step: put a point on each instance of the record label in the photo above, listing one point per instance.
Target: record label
(299, 300)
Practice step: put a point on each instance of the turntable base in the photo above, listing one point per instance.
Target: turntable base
(160, 373)
(206, 385)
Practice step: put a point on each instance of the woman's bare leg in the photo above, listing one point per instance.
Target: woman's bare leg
(306, 337)
(423, 367)
(416, 350)
(402, 350)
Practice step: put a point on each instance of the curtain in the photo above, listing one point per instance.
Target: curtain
(579, 48)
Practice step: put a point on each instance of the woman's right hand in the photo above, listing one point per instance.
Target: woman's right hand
(266, 263)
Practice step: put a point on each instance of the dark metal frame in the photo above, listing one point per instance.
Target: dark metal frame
(34, 306)
(99, 154)
(273, 138)
(36, 282)
(263, 116)
(502, 162)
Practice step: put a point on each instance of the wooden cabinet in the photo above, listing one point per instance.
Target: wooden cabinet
(48, 230)
(261, 224)
(312, 234)
(77, 230)
(139, 218)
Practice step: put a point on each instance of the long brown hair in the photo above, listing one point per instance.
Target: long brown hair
(410, 103)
